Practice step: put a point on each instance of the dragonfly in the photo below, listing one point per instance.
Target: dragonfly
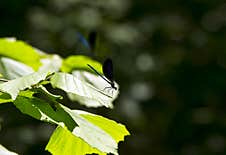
(108, 73)
(107, 65)
(89, 43)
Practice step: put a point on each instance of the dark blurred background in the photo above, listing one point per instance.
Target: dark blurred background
(169, 59)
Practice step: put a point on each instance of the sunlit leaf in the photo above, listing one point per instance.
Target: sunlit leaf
(51, 62)
(116, 130)
(4, 151)
(82, 91)
(63, 142)
(19, 51)
(13, 87)
(90, 128)
(98, 83)
(94, 132)
(90, 132)
(79, 62)
(11, 69)
(103, 138)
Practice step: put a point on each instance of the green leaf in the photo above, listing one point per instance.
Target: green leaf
(116, 130)
(79, 62)
(5, 98)
(42, 90)
(4, 151)
(96, 135)
(93, 138)
(51, 62)
(20, 51)
(13, 87)
(90, 128)
(91, 134)
(94, 132)
(45, 111)
(11, 69)
(63, 142)
(83, 91)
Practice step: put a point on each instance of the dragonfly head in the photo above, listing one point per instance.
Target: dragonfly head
(113, 86)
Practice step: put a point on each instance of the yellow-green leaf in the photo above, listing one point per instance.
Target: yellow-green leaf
(20, 51)
(116, 130)
(80, 62)
(63, 142)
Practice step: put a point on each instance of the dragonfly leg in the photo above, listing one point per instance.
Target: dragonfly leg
(108, 90)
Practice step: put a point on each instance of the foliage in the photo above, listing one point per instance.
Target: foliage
(78, 132)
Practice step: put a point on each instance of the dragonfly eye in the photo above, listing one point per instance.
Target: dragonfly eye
(113, 86)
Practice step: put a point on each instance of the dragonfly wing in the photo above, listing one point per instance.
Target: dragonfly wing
(83, 40)
(108, 69)
(92, 39)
